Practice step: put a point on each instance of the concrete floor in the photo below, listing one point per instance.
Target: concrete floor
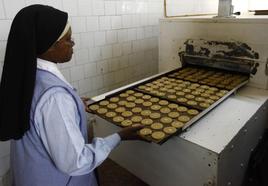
(112, 174)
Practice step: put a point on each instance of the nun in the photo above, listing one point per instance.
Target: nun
(41, 113)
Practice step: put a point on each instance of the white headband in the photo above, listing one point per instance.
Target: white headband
(64, 31)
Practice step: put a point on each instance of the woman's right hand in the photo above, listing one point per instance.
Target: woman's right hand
(131, 133)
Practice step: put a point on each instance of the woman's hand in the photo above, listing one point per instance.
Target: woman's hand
(85, 99)
(131, 133)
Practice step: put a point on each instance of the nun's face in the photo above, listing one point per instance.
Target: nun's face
(64, 48)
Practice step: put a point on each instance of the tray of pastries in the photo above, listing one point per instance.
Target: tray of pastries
(198, 96)
(161, 118)
(217, 78)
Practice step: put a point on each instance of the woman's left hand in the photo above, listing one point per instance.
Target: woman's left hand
(85, 99)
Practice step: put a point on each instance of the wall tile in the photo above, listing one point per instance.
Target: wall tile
(77, 73)
(4, 27)
(92, 23)
(105, 22)
(100, 38)
(126, 48)
(13, 8)
(81, 56)
(71, 7)
(97, 82)
(111, 36)
(31, 2)
(110, 7)
(87, 39)
(85, 85)
(102, 67)
(95, 54)
(117, 50)
(78, 24)
(2, 10)
(132, 34)
(108, 79)
(90, 70)
(98, 7)
(107, 52)
(55, 3)
(84, 7)
(116, 22)
(2, 50)
(123, 62)
(122, 35)
(66, 73)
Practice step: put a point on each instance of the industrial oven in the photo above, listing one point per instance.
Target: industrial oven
(204, 112)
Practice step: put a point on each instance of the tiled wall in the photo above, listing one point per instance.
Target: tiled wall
(116, 43)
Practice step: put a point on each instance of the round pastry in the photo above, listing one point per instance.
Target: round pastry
(112, 106)
(173, 114)
(173, 106)
(220, 94)
(182, 109)
(166, 120)
(204, 105)
(191, 88)
(171, 91)
(170, 130)
(177, 124)
(138, 94)
(184, 118)
(209, 92)
(130, 105)
(110, 114)
(154, 100)
(126, 123)
(139, 101)
(214, 97)
(94, 107)
(172, 96)
(136, 119)
(210, 101)
(182, 85)
(142, 87)
(196, 93)
(192, 103)
(155, 115)
(158, 135)
(145, 131)
(160, 94)
(169, 87)
(190, 96)
(147, 103)
(186, 83)
(179, 81)
(195, 85)
(214, 89)
(127, 114)
(200, 90)
(146, 112)
(182, 100)
(131, 98)
(118, 119)
(177, 88)
(123, 95)
(163, 89)
(157, 126)
(224, 91)
(120, 109)
(204, 87)
(102, 110)
(186, 90)
(165, 110)
(155, 107)
(163, 102)
(148, 89)
(136, 110)
(155, 87)
(130, 92)
(199, 99)
(192, 112)
(146, 121)
(205, 95)
(149, 84)
(146, 97)
(122, 103)
(104, 103)
(114, 99)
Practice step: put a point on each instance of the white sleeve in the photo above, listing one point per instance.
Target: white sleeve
(57, 122)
